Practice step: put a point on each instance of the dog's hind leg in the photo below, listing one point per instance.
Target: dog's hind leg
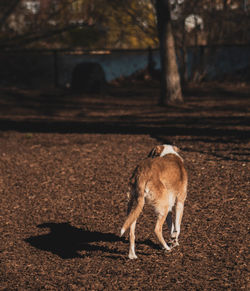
(132, 254)
(158, 229)
(131, 202)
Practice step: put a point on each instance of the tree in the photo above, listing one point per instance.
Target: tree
(77, 23)
(203, 26)
(170, 79)
(22, 24)
(6, 9)
(124, 24)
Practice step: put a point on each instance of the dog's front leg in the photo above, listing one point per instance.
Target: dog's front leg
(170, 223)
(175, 232)
(172, 230)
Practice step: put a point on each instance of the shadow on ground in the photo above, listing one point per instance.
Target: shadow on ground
(67, 241)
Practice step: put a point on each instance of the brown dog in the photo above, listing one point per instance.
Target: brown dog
(162, 180)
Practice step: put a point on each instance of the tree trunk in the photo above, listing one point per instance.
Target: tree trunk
(183, 58)
(170, 78)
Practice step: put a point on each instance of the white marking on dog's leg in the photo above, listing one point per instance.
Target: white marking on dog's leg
(172, 230)
(178, 218)
(132, 254)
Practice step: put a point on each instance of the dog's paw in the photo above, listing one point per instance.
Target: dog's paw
(173, 244)
(132, 256)
(167, 250)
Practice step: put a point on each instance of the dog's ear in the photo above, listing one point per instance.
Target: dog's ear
(176, 149)
(156, 151)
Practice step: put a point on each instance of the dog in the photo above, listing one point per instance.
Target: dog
(160, 179)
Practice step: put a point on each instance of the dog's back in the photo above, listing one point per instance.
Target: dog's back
(167, 171)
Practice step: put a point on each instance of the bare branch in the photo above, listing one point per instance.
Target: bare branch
(8, 12)
(31, 37)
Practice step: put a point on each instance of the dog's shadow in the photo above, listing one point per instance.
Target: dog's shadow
(67, 241)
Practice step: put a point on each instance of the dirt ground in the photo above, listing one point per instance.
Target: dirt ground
(65, 161)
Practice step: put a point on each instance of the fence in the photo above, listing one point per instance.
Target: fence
(39, 68)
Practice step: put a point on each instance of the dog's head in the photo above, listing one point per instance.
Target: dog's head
(162, 150)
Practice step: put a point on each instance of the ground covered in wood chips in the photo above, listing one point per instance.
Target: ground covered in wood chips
(64, 165)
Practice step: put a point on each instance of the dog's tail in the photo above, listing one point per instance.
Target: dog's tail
(134, 214)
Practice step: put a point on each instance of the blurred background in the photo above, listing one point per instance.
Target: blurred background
(43, 41)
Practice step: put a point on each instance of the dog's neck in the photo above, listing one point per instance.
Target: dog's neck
(168, 149)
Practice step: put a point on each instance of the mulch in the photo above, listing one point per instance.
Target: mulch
(65, 161)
